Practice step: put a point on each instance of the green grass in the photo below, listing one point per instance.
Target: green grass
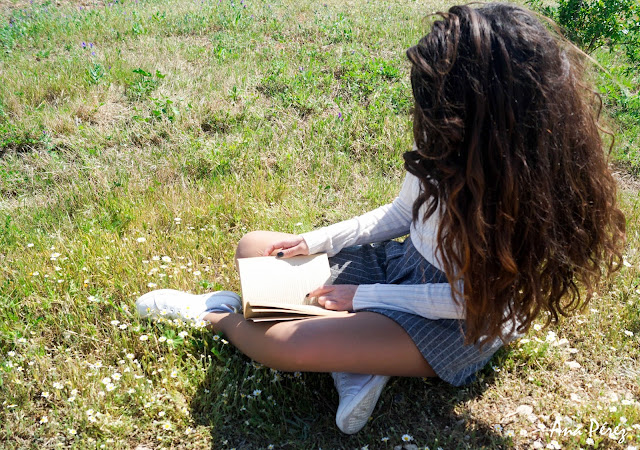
(192, 124)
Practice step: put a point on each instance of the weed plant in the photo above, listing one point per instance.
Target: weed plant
(140, 140)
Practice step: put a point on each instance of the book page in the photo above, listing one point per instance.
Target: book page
(268, 279)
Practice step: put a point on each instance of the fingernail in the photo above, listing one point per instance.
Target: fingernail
(280, 254)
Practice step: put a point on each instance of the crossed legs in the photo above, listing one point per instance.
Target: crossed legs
(362, 342)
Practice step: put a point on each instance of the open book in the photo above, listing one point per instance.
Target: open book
(276, 288)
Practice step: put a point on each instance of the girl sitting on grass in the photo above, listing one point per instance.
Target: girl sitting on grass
(510, 209)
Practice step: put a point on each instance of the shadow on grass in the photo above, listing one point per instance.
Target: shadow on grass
(248, 406)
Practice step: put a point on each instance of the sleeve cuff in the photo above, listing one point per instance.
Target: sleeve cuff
(316, 240)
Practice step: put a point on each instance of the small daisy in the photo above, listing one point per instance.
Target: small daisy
(152, 285)
(115, 322)
(110, 387)
(166, 259)
(407, 438)
(183, 334)
(141, 239)
(385, 439)
(44, 419)
(144, 337)
(58, 385)
(44, 394)
(71, 431)
(257, 392)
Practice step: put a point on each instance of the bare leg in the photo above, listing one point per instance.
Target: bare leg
(363, 342)
(254, 243)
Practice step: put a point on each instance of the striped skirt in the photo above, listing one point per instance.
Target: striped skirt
(441, 342)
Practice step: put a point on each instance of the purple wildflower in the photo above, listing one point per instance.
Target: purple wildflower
(84, 45)
(93, 53)
(340, 116)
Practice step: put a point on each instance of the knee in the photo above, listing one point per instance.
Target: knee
(250, 245)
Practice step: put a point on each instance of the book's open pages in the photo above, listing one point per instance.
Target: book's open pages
(276, 288)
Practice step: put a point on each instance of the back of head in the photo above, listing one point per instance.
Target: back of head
(508, 143)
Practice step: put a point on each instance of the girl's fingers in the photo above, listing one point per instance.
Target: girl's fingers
(320, 291)
(293, 251)
(329, 304)
(275, 246)
(288, 248)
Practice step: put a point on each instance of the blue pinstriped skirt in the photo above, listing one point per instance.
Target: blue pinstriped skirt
(441, 342)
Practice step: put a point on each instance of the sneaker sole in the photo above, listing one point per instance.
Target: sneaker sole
(354, 415)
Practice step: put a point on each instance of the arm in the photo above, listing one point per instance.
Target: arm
(384, 223)
(429, 300)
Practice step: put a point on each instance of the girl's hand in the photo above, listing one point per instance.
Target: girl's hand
(289, 247)
(338, 297)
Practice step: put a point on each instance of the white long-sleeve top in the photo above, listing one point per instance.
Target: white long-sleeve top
(430, 300)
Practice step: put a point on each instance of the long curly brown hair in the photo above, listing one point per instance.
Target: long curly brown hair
(509, 149)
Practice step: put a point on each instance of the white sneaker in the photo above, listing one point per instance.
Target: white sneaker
(172, 304)
(358, 397)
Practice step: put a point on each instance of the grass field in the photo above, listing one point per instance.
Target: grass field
(139, 140)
